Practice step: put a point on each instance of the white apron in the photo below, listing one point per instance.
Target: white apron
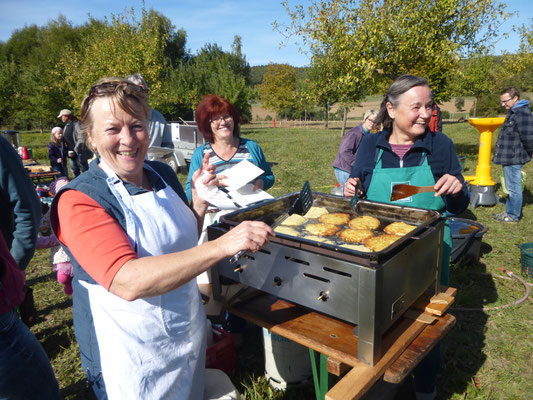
(152, 348)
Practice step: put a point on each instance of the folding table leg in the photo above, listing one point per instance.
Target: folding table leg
(321, 387)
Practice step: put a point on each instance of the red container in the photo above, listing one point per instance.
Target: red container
(221, 355)
(25, 154)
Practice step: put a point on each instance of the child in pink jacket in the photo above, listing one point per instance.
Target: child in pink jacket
(58, 258)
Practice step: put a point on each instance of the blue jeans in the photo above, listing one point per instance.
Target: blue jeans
(513, 182)
(342, 177)
(25, 371)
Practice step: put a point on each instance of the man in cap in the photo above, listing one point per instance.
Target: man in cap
(78, 152)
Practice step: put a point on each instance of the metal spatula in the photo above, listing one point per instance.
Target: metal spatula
(401, 191)
(301, 205)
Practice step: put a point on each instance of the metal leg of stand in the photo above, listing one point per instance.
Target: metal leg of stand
(321, 386)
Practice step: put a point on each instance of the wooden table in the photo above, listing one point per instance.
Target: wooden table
(408, 341)
(48, 176)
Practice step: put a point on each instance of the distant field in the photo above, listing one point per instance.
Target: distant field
(356, 113)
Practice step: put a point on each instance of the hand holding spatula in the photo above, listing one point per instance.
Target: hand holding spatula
(401, 191)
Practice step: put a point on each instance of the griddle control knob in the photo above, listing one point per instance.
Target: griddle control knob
(277, 281)
(324, 296)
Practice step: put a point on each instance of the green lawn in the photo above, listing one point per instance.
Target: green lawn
(486, 356)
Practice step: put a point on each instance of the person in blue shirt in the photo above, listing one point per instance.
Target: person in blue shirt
(218, 122)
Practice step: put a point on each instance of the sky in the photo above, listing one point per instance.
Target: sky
(207, 21)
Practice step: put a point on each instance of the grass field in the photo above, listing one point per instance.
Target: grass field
(487, 355)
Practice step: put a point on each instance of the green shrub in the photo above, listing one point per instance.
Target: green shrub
(488, 105)
(459, 103)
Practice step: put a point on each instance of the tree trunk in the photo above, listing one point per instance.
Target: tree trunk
(344, 118)
(326, 108)
(475, 107)
(41, 125)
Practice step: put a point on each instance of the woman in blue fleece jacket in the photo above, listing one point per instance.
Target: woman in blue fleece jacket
(406, 151)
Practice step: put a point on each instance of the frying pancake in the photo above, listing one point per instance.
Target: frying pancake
(365, 222)
(287, 230)
(322, 229)
(355, 235)
(319, 239)
(294, 220)
(358, 247)
(335, 218)
(316, 212)
(378, 243)
(399, 228)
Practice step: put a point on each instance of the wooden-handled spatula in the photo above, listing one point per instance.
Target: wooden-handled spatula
(401, 191)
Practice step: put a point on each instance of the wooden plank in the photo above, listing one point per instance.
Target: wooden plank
(420, 316)
(436, 304)
(337, 367)
(418, 349)
(327, 335)
(441, 298)
(362, 376)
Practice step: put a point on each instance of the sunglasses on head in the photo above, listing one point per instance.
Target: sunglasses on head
(126, 87)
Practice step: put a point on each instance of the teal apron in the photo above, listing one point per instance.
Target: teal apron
(381, 187)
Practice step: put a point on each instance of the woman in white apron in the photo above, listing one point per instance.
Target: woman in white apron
(407, 152)
(134, 244)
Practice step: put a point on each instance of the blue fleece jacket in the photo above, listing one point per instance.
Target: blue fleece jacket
(441, 157)
(21, 208)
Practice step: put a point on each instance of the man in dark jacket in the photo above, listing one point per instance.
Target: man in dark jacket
(25, 371)
(513, 149)
(21, 209)
(78, 152)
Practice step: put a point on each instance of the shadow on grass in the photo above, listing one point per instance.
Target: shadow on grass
(55, 338)
(249, 378)
(467, 149)
(463, 354)
(41, 279)
(66, 303)
(527, 197)
(78, 391)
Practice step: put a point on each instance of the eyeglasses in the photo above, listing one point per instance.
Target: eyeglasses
(219, 120)
(128, 88)
(506, 101)
(371, 120)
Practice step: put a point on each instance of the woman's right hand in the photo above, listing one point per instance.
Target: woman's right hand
(248, 235)
(351, 185)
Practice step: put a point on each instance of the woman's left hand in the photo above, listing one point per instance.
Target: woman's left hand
(208, 178)
(448, 185)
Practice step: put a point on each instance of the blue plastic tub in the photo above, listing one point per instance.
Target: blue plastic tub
(466, 235)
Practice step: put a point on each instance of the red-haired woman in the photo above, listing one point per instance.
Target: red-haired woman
(218, 121)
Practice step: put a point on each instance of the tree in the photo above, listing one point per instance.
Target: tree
(33, 51)
(211, 70)
(279, 87)
(517, 69)
(476, 76)
(371, 42)
(118, 47)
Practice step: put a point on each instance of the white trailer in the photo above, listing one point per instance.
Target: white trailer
(186, 138)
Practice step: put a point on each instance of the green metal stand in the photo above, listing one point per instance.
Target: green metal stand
(321, 387)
